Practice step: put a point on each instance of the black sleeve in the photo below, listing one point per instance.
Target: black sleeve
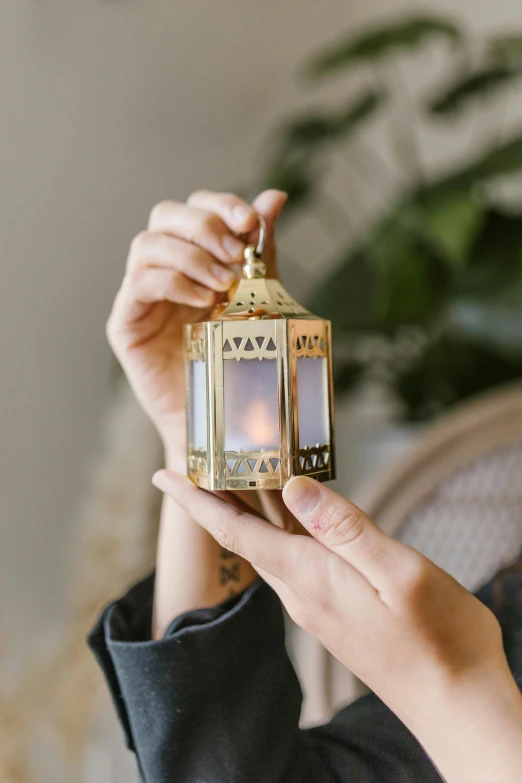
(217, 701)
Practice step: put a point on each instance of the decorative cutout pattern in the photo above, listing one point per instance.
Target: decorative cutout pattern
(197, 460)
(314, 459)
(249, 348)
(286, 303)
(262, 298)
(253, 464)
(310, 346)
(195, 349)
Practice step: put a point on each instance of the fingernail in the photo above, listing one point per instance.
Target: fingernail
(202, 293)
(222, 274)
(242, 212)
(160, 480)
(302, 493)
(234, 247)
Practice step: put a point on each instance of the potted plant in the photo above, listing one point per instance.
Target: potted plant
(429, 299)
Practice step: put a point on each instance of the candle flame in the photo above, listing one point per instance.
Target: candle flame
(260, 426)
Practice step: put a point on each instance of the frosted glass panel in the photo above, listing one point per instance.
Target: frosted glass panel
(312, 395)
(251, 404)
(197, 434)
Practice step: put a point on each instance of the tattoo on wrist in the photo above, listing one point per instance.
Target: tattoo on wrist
(229, 571)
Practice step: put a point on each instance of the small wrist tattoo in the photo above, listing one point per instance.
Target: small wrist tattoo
(229, 572)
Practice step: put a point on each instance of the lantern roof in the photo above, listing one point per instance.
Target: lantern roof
(257, 297)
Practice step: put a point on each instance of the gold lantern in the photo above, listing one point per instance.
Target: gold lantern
(259, 388)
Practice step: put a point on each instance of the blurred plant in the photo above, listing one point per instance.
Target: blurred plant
(430, 301)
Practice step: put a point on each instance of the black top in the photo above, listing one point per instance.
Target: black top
(217, 701)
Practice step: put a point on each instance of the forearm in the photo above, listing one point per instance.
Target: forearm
(475, 734)
(192, 570)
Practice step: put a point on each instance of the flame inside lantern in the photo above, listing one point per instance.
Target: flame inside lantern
(259, 424)
(251, 405)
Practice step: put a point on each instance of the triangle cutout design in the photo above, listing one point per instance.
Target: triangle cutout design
(274, 462)
(249, 345)
(227, 347)
(263, 468)
(252, 464)
(271, 345)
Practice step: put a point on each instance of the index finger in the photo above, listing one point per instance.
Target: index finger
(267, 547)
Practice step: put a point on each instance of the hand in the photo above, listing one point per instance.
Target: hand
(425, 645)
(176, 271)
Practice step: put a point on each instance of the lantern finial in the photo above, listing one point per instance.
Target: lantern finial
(254, 267)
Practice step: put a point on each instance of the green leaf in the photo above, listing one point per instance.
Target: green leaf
(495, 262)
(505, 48)
(382, 41)
(473, 86)
(450, 370)
(347, 294)
(295, 179)
(487, 302)
(318, 128)
(450, 222)
(503, 159)
(393, 280)
(346, 376)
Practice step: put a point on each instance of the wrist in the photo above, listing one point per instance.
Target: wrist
(174, 439)
(470, 727)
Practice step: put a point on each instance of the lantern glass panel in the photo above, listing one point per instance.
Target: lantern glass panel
(312, 398)
(197, 419)
(251, 404)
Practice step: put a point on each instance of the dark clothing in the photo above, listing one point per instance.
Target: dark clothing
(217, 699)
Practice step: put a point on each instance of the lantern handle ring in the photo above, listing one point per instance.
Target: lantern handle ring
(254, 266)
(258, 252)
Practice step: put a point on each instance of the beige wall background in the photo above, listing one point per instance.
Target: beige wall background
(107, 107)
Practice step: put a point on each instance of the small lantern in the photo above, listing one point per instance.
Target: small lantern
(259, 388)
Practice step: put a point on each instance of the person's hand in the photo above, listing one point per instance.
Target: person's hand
(416, 637)
(177, 269)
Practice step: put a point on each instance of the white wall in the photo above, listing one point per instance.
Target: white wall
(107, 107)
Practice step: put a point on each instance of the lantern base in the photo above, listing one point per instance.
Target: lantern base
(258, 470)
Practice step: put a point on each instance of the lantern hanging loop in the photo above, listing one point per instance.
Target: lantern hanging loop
(254, 267)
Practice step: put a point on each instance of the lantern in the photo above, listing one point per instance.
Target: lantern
(259, 388)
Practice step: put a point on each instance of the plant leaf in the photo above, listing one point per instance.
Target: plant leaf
(451, 220)
(504, 159)
(450, 370)
(505, 49)
(479, 84)
(318, 128)
(295, 179)
(379, 42)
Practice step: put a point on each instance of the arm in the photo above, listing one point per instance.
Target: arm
(426, 646)
(192, 569)
(176, 270)
(217, 700)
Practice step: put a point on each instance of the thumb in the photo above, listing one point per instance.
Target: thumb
(346, 530)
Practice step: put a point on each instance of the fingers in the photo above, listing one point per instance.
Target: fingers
(347, 531)
(147, 285)
(239, 216)
(151, 249)
(267, 547)
(200, 227)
